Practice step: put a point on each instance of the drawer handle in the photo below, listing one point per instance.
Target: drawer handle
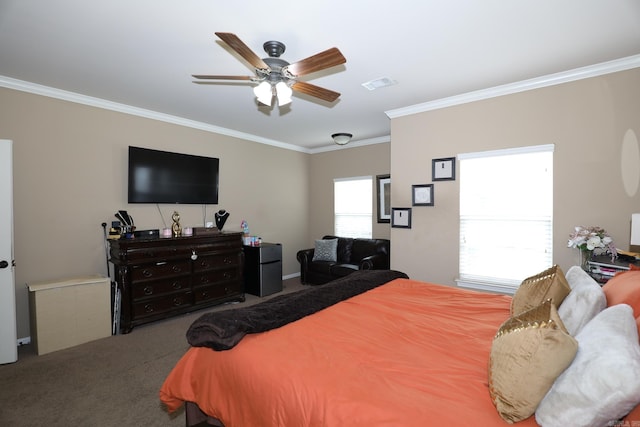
(148, 308)
(205, 294)
(176, 285)
(227, 275)
(147, 273)
(177, 301)
(176, 268)
(148, 290)
(204, 279)
(228, 261)
(204, 264)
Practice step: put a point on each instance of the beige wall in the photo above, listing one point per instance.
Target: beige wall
(370, 160)
(70, 176)
(70, 168)
(586, 120)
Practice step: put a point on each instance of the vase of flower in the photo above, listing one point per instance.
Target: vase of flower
(588, 239)
(585, 257)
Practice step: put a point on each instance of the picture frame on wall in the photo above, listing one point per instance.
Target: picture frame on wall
(401, 217)
(443, 169)
(383, 194)
(422, 195)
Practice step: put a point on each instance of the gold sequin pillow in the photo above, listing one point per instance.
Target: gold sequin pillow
(528, 353)
(533, 291)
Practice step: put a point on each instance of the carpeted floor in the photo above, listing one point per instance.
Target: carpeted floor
(111, 382)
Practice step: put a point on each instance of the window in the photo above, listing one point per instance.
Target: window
(353, 207)
(506, 216)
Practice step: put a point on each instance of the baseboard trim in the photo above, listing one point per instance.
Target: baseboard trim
(291, 276)
(24, 341)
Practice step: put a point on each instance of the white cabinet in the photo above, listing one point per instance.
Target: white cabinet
(69, 312)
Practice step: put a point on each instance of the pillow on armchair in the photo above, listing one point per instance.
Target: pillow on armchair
(326, 250)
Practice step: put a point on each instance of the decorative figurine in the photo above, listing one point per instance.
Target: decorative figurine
(221, 217)
(177, 231)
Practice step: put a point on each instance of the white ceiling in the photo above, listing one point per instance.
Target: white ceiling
(141, 53)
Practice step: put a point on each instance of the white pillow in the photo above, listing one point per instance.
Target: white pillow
(585, 300)
(576, 276)
(602, 384)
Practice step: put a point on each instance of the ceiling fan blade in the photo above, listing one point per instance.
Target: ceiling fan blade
(243, 50)
(320, 61)
(209, 77)
(317, 91)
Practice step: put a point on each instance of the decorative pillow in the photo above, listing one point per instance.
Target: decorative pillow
(585, 300)
(624, 288)
(576, 276)
(326, 250)
(603, 382)
(527, 355)
(534, 290)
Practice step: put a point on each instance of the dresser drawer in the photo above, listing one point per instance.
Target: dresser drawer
(221, 244)
(158, 252)
(162, 305)
(216, 291)
(159, 270)
(216, 276)
(159, 287)
(210, 262)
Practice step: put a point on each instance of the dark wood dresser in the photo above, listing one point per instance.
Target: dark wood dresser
(160, 278)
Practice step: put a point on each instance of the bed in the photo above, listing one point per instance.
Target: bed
(390, 351)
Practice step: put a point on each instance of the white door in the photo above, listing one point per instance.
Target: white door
(8, 334)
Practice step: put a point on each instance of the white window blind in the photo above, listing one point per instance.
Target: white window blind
(353, 207)
(506, 216)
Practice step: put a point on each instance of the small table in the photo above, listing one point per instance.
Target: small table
(602, 268)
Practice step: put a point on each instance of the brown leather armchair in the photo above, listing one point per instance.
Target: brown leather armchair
(352, 254)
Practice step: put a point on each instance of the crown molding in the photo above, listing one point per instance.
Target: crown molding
(535, 83)
(525, 85)
(64, 95)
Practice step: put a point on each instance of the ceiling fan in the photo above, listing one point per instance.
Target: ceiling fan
(275, 76)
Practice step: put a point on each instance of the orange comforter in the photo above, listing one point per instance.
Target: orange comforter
(406, 353)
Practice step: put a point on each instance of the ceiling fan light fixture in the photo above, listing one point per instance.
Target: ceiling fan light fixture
(264, 93)
(284, 93)
(341, 138)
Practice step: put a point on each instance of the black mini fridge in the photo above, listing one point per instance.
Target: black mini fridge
(263, 269)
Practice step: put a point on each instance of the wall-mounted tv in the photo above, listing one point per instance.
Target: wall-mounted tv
(164, 177)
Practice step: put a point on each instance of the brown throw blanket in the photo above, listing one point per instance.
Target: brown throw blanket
(224, 329)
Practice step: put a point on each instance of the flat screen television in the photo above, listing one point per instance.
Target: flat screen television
(163, 177)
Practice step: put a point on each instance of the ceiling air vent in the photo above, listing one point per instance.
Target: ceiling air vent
(378, 83)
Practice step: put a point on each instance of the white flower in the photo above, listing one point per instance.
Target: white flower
(594, 242)
(590, 238)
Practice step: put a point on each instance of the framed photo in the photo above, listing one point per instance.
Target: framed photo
(383, 191)
(443, 169)
(422, 195)
(401, 217)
